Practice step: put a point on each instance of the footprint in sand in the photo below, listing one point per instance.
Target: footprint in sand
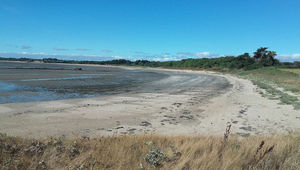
(235, 122)
(145, 123)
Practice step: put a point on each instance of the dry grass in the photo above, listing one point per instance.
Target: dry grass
(129, 152)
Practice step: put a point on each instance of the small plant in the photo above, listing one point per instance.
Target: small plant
(227, 132)
(36, 147)
(225, 139)
(260, 154)
(155, 157)
(73, 151)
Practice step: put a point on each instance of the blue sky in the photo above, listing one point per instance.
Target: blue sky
(148, 29)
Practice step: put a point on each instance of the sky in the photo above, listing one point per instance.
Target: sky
(158, 30)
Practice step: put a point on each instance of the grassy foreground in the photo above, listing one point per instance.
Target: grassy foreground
(152, 152)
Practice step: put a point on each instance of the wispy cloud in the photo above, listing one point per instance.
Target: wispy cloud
(82, 49)
(288, 57)
(25, 47)
(165, 58)
(199, 54)
(107, 51)
(60, 49)
(157, 57)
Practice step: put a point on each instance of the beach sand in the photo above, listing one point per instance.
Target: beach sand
(191, 111)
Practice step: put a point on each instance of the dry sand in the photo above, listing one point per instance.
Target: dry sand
(186, 113)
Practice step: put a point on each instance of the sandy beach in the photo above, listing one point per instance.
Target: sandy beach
(190, 111)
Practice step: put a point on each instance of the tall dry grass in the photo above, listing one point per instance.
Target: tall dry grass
(129, 152)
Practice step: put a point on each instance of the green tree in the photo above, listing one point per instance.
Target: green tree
(265, 57)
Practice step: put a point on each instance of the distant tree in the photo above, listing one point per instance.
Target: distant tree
(242, 61)
(297, 64)
(50, 60)
(141, 62)
(265, 57)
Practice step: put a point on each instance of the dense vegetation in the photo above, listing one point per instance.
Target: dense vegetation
(261, 58)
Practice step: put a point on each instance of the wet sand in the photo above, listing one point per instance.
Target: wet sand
(182, 103)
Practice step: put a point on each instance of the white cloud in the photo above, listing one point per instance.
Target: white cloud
(288, 57)
(205, 54)
(117, 57)
(165, 57)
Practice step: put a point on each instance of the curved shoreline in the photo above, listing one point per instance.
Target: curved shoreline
(186, 113)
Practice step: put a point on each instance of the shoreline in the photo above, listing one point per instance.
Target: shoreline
(158, 113)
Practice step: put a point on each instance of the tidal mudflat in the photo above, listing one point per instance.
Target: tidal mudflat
(33, 82)
(118, 101)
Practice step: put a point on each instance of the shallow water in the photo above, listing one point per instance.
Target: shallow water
(7, 87)
(31, 82)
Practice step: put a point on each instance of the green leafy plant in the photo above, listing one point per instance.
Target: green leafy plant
(155, 157)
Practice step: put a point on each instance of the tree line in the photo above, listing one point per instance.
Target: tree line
(262, 57)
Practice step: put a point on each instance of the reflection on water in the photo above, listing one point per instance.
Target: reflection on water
(11, 93)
